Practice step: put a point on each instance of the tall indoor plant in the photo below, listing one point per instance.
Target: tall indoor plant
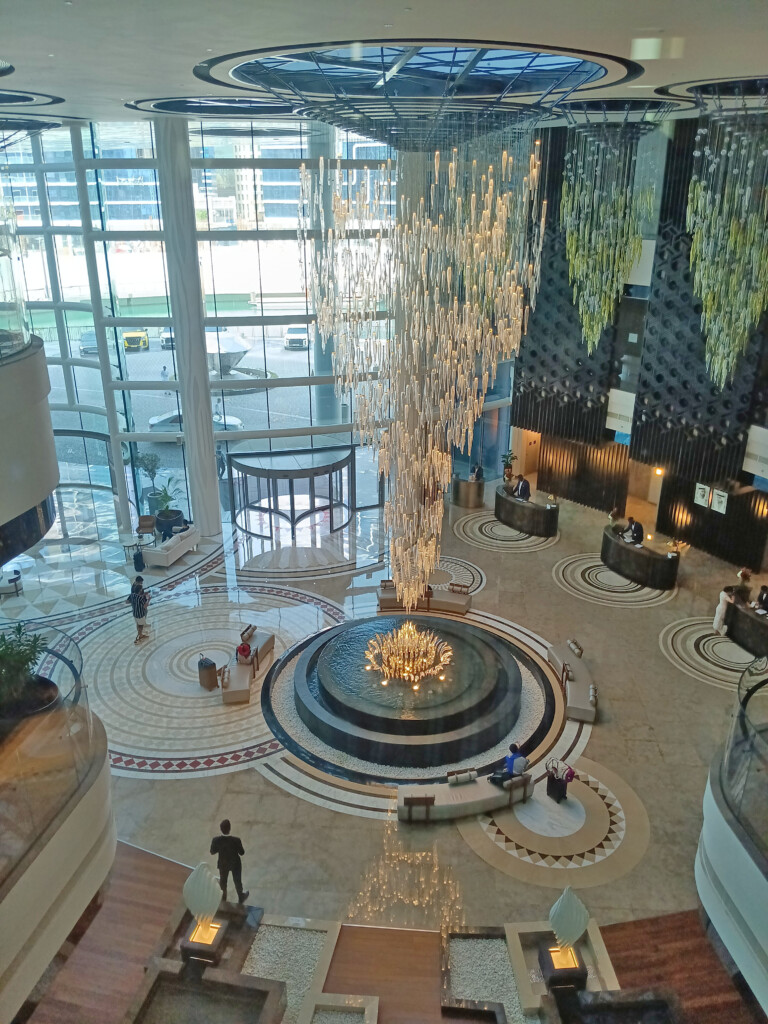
(22, 692)
(149, 463)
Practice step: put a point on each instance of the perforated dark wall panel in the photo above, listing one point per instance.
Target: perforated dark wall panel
(682, 421)
(560, 389)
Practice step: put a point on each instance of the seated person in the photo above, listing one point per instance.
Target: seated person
(761, 601)
(515, 763)
(522, 489)
(633, 534)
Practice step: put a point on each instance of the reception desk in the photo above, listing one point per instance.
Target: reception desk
(642, 565)
(467, 493)
(526, 516)
(747, 629)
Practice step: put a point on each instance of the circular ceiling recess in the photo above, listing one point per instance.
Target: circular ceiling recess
(754, 89)
(13, 97)
(408, 94)
(215, 106)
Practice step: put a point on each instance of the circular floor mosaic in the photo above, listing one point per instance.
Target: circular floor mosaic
(483, 530)
(586, 577)
(456, 570)
(604, 834)
(159, 720)
(694, 648)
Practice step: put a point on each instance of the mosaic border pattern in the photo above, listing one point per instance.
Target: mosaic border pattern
(617, 833)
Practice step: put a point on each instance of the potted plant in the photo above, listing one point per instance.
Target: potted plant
(22, 692)
(507, 461)
(149, 463)
(167, 517)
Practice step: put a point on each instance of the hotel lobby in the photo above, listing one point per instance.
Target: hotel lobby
(422, 383)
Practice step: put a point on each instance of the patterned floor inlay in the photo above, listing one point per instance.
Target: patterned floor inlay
(600, 841)
(159, 721)
(457, 570)
(483, 530)
(329, 791)
(586, 577)
(694, 648)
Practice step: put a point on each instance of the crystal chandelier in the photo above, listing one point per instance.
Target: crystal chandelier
(423, 278)
(728, 219)
(601, 212)
(408, 653)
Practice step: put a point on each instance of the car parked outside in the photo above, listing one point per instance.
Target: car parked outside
(88, 345)
(172, 422)
(297, 336)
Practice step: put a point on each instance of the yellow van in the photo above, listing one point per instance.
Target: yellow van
(135, 341)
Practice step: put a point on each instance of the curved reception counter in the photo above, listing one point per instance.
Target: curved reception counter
(467, 493)
(747, 629)
(526, 516)
(642, 565)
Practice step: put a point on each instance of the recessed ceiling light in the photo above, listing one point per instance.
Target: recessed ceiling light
(387, 26)
(51, 54)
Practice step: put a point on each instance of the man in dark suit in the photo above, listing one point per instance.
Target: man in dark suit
(522, 489)
(634, 532)
(229, 850)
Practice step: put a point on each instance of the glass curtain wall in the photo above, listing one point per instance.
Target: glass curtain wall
(94, 270)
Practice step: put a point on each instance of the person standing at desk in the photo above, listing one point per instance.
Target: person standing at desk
(522, 489)
(477, 472)
(760, 604)
(633, 534)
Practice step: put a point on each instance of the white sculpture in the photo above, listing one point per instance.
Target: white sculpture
(202, 895)
(569, 918)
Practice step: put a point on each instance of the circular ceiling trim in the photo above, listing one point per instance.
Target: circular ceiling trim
(218, 70)
(247, 107)
(17, 97)
(697, 90)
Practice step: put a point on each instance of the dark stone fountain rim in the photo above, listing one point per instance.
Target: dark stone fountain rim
(353, 775)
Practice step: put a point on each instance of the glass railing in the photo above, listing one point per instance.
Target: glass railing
(46, 757)
(744, 772)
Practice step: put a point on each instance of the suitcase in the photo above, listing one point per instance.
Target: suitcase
(206, 671)
(138, 561)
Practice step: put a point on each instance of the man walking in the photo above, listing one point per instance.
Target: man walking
(229, 850)
(164, 375)
(139, 601)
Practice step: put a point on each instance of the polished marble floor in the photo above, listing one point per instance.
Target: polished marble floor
(665, 697)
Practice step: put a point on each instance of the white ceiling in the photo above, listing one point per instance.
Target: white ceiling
(98, 54)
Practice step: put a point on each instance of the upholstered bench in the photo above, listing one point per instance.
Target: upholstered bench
(441, 801)
(236, 683)
(580, 690)
(456, 600)
(262, 643)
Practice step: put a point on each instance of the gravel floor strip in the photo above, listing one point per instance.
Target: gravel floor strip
(289, 955)
(481, 969)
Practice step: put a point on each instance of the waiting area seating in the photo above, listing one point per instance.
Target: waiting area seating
(580, 691)
(462, 796)
(235, 678)
(171, 550)
(456, 599)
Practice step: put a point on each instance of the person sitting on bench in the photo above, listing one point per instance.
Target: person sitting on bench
(515, 763)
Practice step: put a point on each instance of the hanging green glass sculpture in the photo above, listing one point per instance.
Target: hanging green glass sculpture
(602, 213)
(728, 221)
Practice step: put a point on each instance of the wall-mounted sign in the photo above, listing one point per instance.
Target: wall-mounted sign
(701, 495)
(719, 501)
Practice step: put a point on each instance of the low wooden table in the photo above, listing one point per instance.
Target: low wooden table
(236, 683)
